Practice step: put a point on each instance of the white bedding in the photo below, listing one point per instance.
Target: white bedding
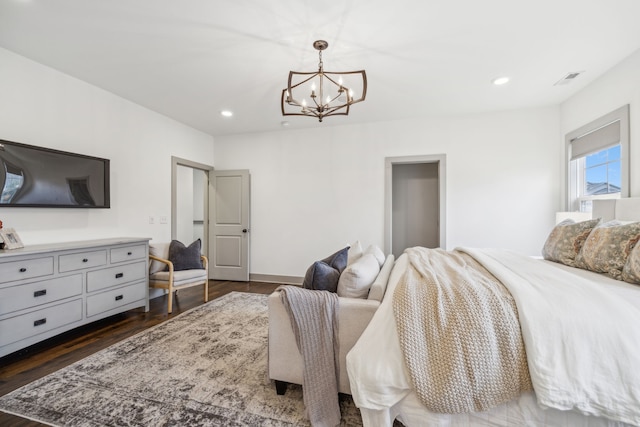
(577, 364)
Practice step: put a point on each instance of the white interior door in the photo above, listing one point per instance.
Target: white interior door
(230, 198)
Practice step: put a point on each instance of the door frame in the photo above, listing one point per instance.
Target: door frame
(175, 162)
(441, 160)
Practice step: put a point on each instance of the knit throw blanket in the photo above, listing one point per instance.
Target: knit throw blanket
(314, 321)
(459, 333)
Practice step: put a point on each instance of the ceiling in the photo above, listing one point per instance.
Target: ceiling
(190, 59)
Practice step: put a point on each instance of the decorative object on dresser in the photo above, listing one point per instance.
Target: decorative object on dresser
(213, 373)
(10, 238)
(51, 288)
(173, 266)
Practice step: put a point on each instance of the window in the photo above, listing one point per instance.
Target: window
(598, 160)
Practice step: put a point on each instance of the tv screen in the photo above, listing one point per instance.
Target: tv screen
(41, 177)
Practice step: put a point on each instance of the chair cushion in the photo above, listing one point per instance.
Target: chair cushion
(179, 277)
(185, 257)
(160, 250)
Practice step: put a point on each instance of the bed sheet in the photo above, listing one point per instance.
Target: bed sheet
(377, 371)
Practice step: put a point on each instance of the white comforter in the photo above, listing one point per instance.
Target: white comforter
(582, 339)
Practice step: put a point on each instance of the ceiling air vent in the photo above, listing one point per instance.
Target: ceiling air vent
(568, 78)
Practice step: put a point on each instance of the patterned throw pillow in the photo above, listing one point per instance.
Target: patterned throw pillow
(566, 240)
(607, 248)
(631, 270)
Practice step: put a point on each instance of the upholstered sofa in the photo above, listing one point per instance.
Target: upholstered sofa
(354, 314)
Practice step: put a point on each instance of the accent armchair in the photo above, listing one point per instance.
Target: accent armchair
(162, 274)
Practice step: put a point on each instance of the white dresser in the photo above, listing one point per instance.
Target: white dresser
(49, 289)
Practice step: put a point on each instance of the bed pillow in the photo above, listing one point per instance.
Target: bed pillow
(566, 240)
(376, 252)
(631, 269)
(357, 278)
(607, 248)
(323, 275)
(185, 257)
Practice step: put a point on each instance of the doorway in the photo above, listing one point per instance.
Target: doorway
(414, 203)
(190, 202)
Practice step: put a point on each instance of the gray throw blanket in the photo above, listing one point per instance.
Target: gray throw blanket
(459, 333)
(314, 319)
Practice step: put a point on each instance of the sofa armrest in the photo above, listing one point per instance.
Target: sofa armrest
(285, 361)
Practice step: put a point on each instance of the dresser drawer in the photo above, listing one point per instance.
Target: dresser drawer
(33, 294)
(109, 300)
(37, 322)
(26, 269)
(82, 260)
(128, 253)
(114, 276)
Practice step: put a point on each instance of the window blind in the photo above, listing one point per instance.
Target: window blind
(597, 140)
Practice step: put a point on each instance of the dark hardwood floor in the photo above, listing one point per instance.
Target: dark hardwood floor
(25, 366)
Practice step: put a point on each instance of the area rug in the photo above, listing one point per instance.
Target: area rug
(206, 367)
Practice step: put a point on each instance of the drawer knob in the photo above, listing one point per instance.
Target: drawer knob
(23, 269)
(40, 322)
(129, 253)
(119, 297)
(85, 260)
(119, 275)
(40, 293)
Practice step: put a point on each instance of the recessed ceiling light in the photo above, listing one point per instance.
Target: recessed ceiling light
(226, 113)
(500, 80)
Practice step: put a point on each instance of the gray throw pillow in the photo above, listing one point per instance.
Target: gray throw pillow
(338, 260)
(185, 257)
(323, 275)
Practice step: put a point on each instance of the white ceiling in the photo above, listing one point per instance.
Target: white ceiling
(190, 59)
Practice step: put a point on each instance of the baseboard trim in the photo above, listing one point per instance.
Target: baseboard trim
(271, 278)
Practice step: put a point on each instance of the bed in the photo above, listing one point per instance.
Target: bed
(600, 348)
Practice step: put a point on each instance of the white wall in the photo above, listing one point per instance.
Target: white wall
(617, 87)
(314, 191)
(43, 107)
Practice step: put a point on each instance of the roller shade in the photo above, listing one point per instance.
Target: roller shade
(598, 140)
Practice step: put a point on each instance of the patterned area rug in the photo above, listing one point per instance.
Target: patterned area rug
(206, 367)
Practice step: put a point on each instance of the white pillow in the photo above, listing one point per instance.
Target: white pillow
(358, 277)
(376, 252)
(355, 252)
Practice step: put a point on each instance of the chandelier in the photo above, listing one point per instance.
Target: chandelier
(328, 93)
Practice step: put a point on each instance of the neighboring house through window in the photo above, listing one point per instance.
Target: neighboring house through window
(598, 157)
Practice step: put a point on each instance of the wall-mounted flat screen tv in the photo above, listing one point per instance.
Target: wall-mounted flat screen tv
(41, 177)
